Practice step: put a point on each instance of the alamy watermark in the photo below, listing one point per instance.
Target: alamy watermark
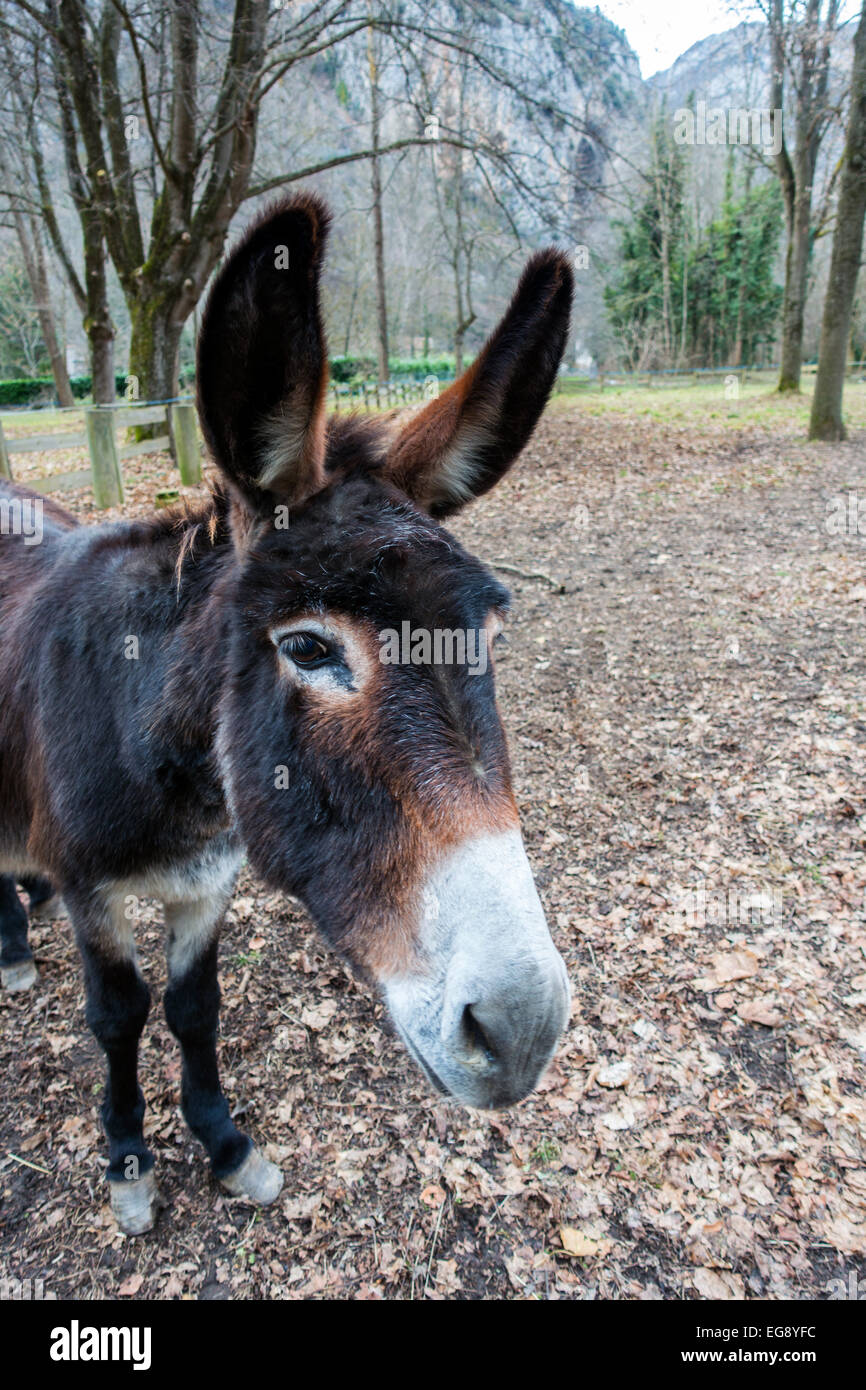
(77, 1343)
(437, 646)
(24, 1291)
(22, 516)
(736, 125)
(724, 907)
(853, 1287)
(846, 516)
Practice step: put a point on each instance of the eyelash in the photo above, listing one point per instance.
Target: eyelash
(290, 643)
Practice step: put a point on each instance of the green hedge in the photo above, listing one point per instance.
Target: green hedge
(40, 390)
(356, 369)
(22, 392)
(345, 369)
(26, 390)
(424, 366)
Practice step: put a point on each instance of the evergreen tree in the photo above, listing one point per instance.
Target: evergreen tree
(732, 302)
(642, 302)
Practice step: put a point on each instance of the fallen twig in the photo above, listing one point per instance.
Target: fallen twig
(556, 584)
(433, 1247)
(27, 1164)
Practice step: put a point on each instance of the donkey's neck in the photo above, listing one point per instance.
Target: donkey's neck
(199, 548)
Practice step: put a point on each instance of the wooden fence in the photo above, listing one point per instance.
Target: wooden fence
(99, 436)
(176, 421)
(569, 381)
(384, 395)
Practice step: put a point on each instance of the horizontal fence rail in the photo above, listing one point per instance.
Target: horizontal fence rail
(680, 376)
(172, 425)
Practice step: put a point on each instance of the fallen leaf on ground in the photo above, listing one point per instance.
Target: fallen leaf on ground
(582, 1244)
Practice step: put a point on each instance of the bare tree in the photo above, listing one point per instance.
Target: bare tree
(165, 97)
(165, 218)
(28, 230)
(21, 342)
(376, 186)
(826, 418)
(459, 239)
(30, 73)
(801, 40)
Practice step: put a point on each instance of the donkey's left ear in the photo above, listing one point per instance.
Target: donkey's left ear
(462, 443)
(262, 369)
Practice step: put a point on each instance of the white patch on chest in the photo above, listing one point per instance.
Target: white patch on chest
(210, 874)
(194, 893)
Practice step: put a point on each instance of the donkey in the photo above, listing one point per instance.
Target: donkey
(180, 692)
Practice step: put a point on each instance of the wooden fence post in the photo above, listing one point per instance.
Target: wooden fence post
(5, 467)
(186, 442)
(104, 463)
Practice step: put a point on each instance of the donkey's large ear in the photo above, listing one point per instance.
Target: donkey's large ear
(262, 372)
(462, 443)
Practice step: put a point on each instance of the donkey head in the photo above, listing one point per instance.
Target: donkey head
(360, 743)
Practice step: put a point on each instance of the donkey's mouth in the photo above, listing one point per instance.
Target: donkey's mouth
(424, 1066)
(483, 1017)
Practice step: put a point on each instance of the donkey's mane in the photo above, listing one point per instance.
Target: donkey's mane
(354, 443)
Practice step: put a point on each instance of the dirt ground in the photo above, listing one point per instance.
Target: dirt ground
(685, 705)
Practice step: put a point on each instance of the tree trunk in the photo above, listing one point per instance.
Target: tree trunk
(666, 289)
(744, 268)
(826, 419)
(465, 313)
(462, 246)
(101, 340)
(351, 319)
(47, 323)
(154, 347)
(378, 231)
(98, 324)
(796, 277)
(381, 297)
(800, 46)
(684, 323)
(737, 352)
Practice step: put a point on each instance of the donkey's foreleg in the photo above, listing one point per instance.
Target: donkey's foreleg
(117, 1005)
(192, 1009)
(17, 969)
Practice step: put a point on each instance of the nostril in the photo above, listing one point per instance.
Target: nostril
(475, 1041)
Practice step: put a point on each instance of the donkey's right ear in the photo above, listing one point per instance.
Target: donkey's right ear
(262, 369)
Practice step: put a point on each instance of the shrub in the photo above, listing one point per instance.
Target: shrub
(344, 370)
(26, 390)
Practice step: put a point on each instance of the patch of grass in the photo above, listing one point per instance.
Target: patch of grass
(545, 1152)
(247, 958)
(758, 404)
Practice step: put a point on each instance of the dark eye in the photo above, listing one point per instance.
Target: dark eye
(305, 649)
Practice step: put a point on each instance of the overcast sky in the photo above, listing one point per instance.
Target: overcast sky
(660, 30)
